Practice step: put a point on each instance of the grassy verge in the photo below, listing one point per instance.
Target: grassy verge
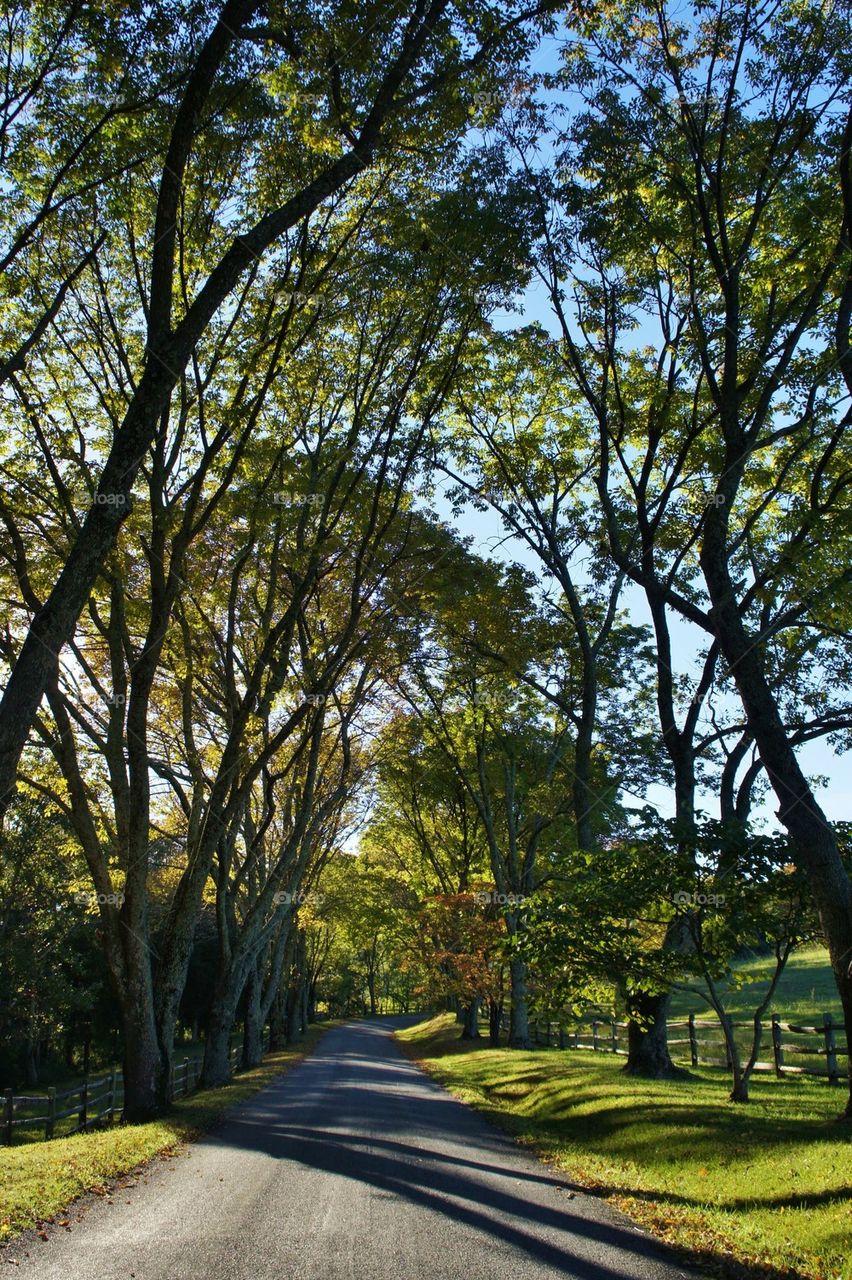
(40, 1179)
(763, 1190)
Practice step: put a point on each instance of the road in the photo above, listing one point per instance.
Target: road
(353, 1166)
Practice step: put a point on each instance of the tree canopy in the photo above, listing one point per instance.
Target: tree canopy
(424, 521)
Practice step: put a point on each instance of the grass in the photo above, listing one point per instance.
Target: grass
(806, 988)
(762, 1190)
(805, 992)
(40, 1179)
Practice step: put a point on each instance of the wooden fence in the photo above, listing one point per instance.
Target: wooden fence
(93, 1102)
(703, 1044)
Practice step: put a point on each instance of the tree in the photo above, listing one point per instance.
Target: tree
(261, 579)
(711, 153)
(54, 978)
(512, 754)
(753, 895)
(388, 95)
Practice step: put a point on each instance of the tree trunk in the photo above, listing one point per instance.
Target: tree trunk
(217, 1048)
(647, 1036)
(145, 1089)
(253, 1025)
(814, 841)
(304, 1003)
(146, 1079)
(495, 1018)
(278, 1010)
(292, 1011)
(32, 1061)
(519, 1030)
(470, 1029)
(278, 1020)
(739, 1087)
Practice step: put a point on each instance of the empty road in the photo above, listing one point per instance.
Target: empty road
(353, 1166)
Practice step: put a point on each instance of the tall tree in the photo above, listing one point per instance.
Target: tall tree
(707, 224)
(385, 97)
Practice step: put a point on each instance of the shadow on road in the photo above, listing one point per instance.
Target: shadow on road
(360, 1110)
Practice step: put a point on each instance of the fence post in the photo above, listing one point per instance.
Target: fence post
(84, 1105)
(51, 1112)
(830, 1049)
(576, 1037)
(777, 1049)
(613, 1035)
(10, 1111)
(113, 1084)
(595, 1026)
(185, 1077)
(562, 1040)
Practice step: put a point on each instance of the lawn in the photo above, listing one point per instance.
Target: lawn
(40, 1179)
(758, 1190)
(806, 989)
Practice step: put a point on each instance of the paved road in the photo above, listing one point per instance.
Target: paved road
(353, 1166)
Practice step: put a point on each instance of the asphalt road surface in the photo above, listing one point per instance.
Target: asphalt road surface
(353, 1166)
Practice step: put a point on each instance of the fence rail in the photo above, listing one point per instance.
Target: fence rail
(819, 1040)
(94, 1101)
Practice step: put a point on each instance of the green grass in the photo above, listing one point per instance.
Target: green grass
(40, 1179)
(805, 992)
(806, 989)
(758, 1190)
